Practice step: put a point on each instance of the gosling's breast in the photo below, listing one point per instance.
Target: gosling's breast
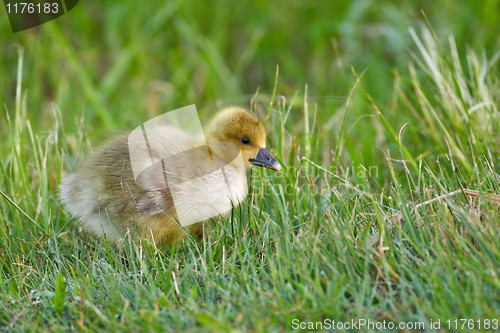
(209, 196)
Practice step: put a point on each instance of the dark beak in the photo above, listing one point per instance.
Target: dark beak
(265, 160)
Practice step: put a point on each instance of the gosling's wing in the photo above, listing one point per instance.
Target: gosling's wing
(156, 197)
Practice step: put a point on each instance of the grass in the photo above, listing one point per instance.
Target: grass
(337, 234)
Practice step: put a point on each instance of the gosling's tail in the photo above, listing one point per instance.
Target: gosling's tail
(81, 197)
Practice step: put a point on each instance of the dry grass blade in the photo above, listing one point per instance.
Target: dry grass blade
(397, 217)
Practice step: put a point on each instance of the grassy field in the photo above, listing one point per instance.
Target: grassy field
(385, 119)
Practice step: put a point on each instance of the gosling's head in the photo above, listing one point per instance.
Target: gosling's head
(238, 126)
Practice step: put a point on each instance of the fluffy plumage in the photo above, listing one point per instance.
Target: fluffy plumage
(110, 201)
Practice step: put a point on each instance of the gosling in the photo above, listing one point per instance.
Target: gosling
(143, 193)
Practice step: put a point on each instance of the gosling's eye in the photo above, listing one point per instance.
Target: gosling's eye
(245, 141)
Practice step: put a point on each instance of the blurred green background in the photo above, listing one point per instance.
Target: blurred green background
(121, 63)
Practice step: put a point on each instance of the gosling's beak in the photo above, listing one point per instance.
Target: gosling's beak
(265, 160)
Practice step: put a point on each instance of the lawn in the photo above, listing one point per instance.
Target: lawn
(385, 118)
